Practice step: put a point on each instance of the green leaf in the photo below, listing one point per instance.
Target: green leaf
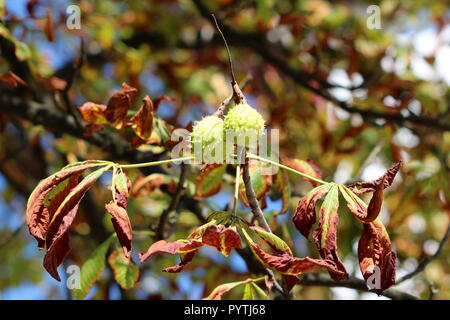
(126, 272)
(329, 211)
(209, 180)
(92, 269)
(248, 292)
(273, 240)
(22, 51)
(259, 292)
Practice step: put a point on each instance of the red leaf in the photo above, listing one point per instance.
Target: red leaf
(386, 180)
(119, 104)
(118, 209)
(179, 267)
(142, 121)
(12, 79)
(59, 247)
(305, 214)
(287, 264)
(290, 281)
(376, 202)
(122, 226)
(325, 233)
(93, 113)
(374, 250)
(222, 238)
(38, 213)
(282, 260)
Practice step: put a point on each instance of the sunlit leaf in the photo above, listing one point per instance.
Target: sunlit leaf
(209, 180)
(325, 235)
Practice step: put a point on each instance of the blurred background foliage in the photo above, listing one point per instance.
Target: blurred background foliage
(167, 47)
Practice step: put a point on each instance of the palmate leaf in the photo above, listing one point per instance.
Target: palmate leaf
(126, 272)
(92, 268)
(209, 180)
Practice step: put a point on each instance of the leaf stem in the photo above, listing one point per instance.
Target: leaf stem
(154, 163)
(253, 156)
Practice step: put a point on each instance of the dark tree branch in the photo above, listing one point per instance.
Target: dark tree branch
(321, 280)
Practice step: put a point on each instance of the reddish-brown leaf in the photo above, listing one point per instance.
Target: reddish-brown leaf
(305, 214)
(38, 212)
(326, 232)
(187, 258)
(374, 251)
(142, 121)
(282, 260)
(48, 26)
(119, 104)
(144, 186)
(370, 186)
(59, 247)
(222, 238)
(287, 264)
(12, 79)
(290, 281)
(93, 113)
(122, 226)
(376, 202)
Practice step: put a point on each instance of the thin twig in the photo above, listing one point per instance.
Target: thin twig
(222, 107)
(423, 264)
(321, 280)
(238, 96)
